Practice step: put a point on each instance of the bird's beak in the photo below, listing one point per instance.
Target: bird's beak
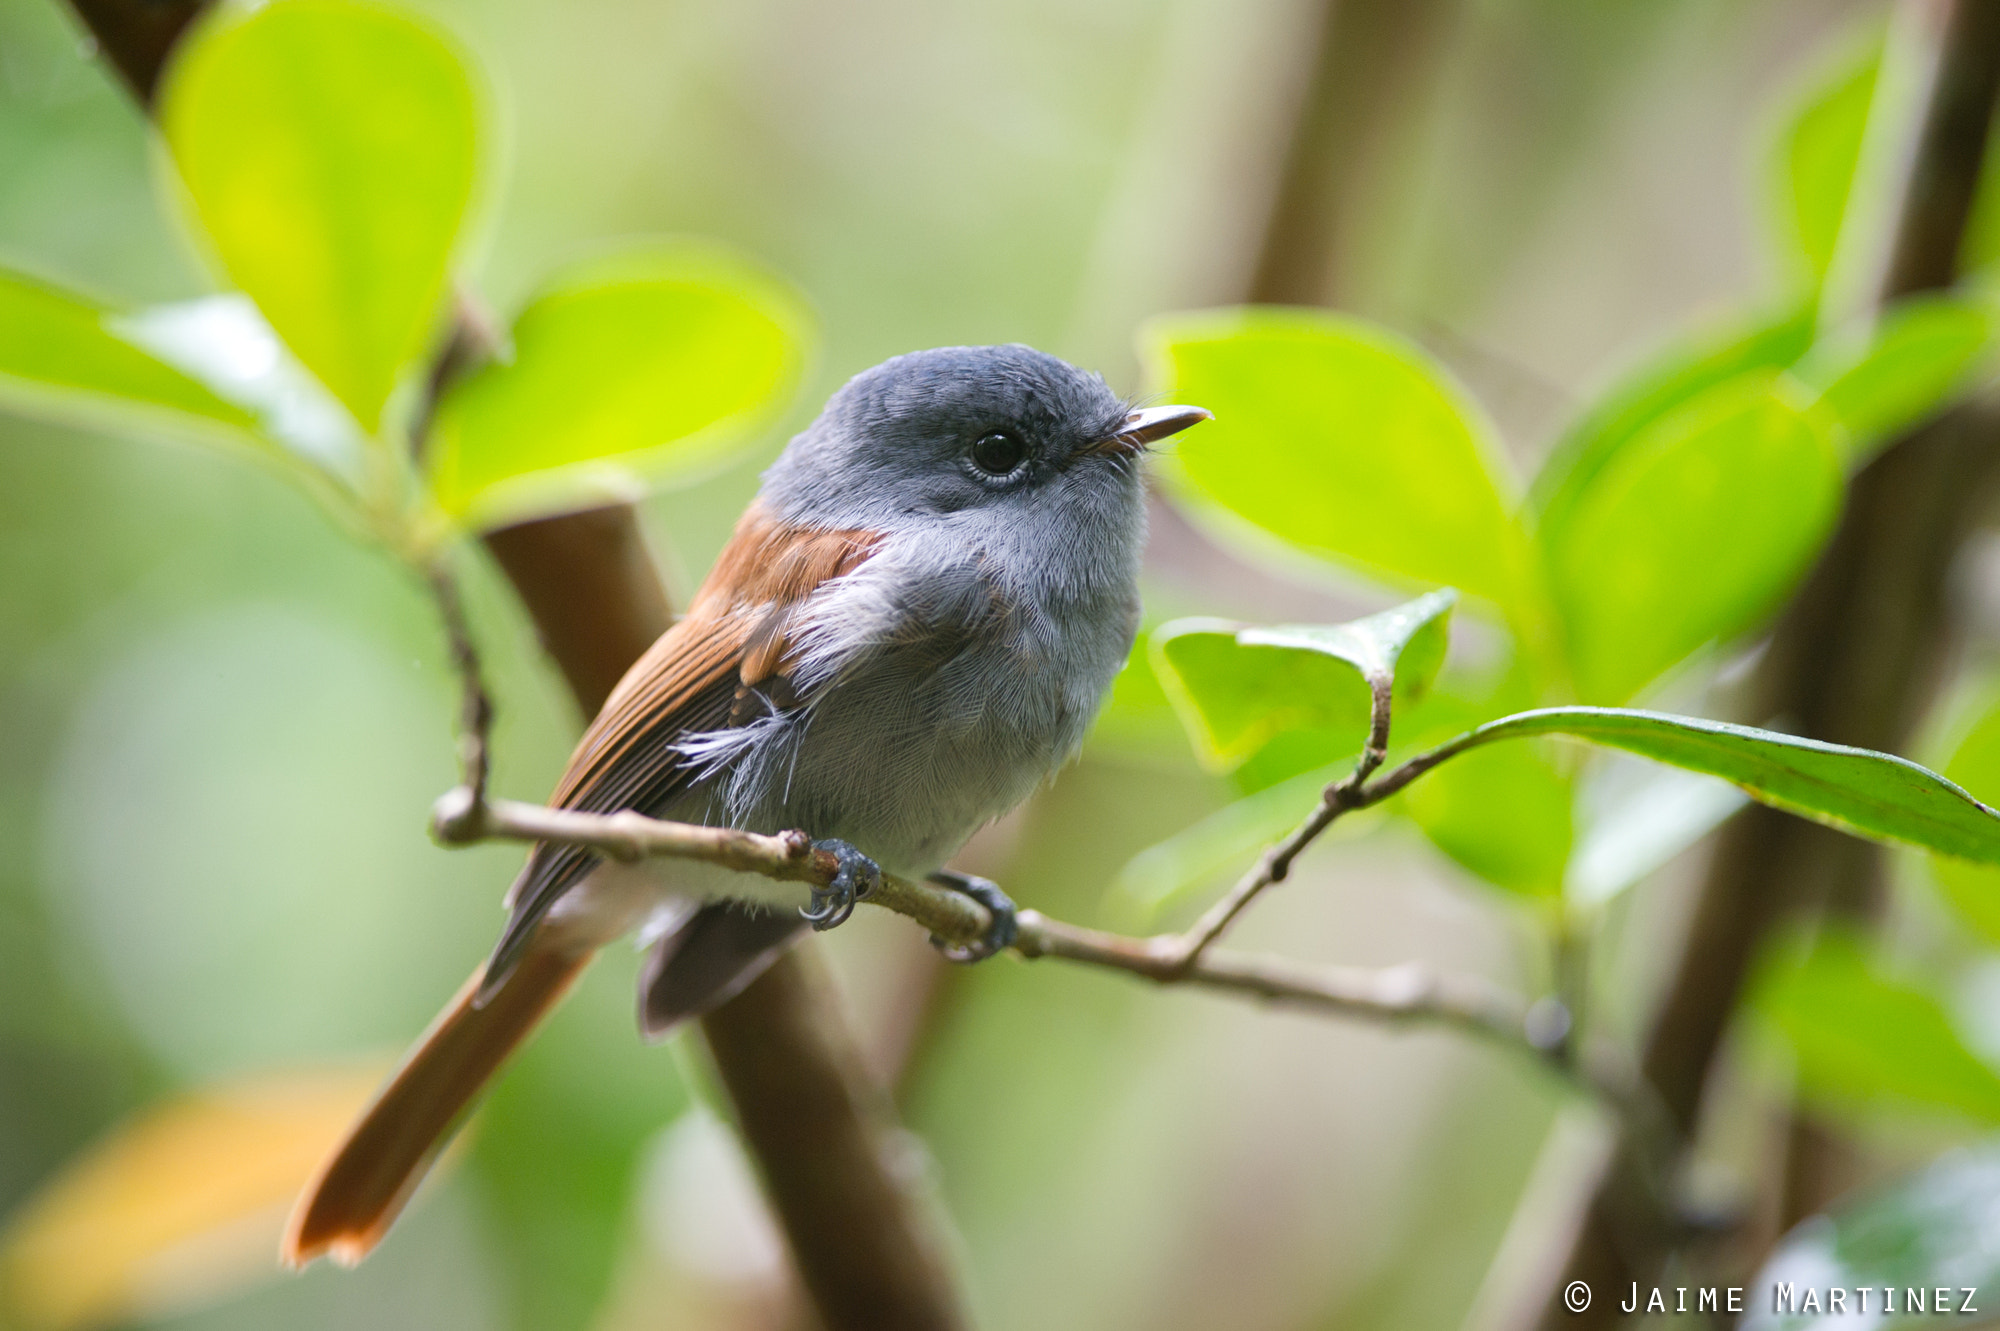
(1143, 428)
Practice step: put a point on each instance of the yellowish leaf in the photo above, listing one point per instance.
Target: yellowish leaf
(179, 1205)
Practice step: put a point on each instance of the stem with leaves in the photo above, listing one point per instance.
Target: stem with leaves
(1867, 793)
(1404, 994)
(1397, 994)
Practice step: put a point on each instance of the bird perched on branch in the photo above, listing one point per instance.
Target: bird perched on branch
(912, 627)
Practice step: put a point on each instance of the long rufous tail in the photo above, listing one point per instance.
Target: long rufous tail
(358, 1193)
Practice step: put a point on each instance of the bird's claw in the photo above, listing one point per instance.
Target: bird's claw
(857, 877)
(999, 935)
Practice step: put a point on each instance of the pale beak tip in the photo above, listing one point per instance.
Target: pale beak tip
(1149, 425)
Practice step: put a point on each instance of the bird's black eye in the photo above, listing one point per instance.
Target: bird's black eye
(998, 453)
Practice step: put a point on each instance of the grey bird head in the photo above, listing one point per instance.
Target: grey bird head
(968, 435)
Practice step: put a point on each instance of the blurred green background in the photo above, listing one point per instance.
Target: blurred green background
(223, 721)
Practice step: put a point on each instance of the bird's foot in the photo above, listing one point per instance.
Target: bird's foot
(858, 876)
(999, 936)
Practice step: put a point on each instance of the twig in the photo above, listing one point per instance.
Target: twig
(1275, 864)
(476, 704)
(474, 339)
(1409, 992)
(1404, 994)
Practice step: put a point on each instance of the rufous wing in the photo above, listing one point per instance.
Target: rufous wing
(734, 644)
(726, 663)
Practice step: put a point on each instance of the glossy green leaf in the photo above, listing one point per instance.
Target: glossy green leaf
(1817, 157)
(329, 151)
(1875, 795)
(1235, 699)
(1406, 641)
(653, 366)
(1238, 687)
(1341, 440)
(1505, 814)
(1972, 889)
(1693, 532)
(61, 359)
(1866, 1039)
(1900, 1243)
(225, 343)
(1922, 352)
(1662, 383)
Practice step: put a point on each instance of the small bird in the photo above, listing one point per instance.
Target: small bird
(912, 627)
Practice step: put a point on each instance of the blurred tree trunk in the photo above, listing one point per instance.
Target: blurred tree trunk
(864, 1239)
(1855, 659)
(1373, 74)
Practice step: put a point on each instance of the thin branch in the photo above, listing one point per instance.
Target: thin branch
(1399, 995)
(1410, 992)
(1275, 864)
(474, 339)
(476, 704)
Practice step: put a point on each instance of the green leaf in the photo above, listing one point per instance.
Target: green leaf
(1922, 352)
(1239, 687)
(226, 344)
(328, 149)
(652, 366)
(1659, 385)
(1869, 794)
(1862, 1038)
(1286, 755)
(1235, 699)
(61, 359)
(1505, 814)
(1343, 441)
(1693, 532)
(1935, 1227)
(1817, 156)
(1168, 873)
(1377, 646)
(1974, 890)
